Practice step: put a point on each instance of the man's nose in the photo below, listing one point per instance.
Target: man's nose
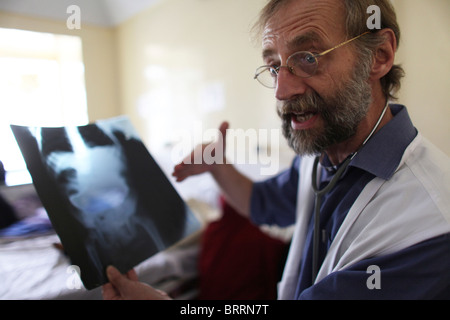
(288, 85)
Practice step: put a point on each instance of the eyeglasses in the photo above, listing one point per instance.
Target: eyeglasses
(302, 64)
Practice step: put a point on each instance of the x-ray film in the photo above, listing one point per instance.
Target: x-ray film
(107, 198)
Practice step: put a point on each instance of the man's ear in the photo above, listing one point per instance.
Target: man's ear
(384, 55)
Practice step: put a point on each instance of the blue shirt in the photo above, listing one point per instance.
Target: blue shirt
(421, 271)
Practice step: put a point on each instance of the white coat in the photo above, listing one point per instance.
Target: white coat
(388, 216)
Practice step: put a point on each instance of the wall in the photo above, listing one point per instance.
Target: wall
(183, 62)
(99, 48)
(424, 53)
(181, 53)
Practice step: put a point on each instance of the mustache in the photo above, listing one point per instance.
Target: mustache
(311, 102)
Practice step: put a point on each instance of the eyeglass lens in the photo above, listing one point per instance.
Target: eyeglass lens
(303, 64)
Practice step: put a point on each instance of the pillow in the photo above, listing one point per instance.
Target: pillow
(238, 261)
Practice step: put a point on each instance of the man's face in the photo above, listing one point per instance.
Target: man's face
(325, 109)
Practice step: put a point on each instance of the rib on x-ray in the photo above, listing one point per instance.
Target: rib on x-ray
(107, 198)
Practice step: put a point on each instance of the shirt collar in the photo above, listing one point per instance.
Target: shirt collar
(383, 152)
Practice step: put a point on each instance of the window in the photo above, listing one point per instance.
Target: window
(41, 84)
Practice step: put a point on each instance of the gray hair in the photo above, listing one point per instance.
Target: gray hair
(356, 24)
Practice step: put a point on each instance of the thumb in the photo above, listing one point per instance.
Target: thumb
(115, 277)
(223, 131)
(223, 128)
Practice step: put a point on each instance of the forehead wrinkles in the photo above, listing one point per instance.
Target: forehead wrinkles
(324, 19)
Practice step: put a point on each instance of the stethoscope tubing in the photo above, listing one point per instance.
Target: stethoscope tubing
(319, 193)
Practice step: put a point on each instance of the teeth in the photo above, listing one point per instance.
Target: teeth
(302, 117)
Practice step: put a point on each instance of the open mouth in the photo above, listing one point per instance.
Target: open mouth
(303, 120)
(303, 116)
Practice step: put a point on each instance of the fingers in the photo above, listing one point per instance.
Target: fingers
(132, 275)
(180, 172)
(195, 163)
(127, 287)
(119, 285)
(109, 292)
(183, 171)
(119, 280)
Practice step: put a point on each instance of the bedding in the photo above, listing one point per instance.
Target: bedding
(34, 269)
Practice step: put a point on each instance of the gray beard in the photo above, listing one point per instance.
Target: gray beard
(341, 114)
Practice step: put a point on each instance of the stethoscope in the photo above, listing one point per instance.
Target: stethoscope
(320, 193)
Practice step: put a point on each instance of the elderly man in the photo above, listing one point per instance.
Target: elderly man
(369, 196)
